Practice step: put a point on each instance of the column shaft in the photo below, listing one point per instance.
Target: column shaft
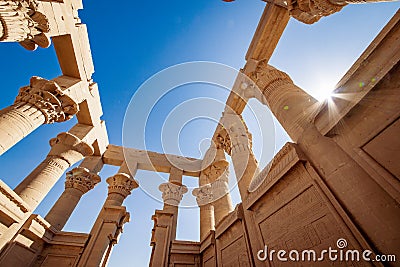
(222, 207)
(109, 222)
(207, 221)
(204, 197)
(67, 149)
(16, 122)
(292, 107)
(246, 167)
(78, 182)
(237, 141)
(63, 208)
(172, 193)
(36, 185)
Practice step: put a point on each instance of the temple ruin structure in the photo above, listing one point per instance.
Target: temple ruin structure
(331, 182)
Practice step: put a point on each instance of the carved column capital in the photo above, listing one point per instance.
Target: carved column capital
(223, 141)
(203, 195)
(235, 128)
(310, 11)
(214, 154)
(49, 98)
(268, 78)
(22, 22)
(82, 179)
(217, 170)
(70, 148)
(172, 194)
(219, 188)
(122, 184)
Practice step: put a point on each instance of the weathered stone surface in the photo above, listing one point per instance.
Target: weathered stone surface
(338, 181)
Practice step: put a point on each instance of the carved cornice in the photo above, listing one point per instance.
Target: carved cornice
(121, 183)
(22, 22)
(48, 97)
(70, 148)
(13, 197)
(82, 179)
(171, 193)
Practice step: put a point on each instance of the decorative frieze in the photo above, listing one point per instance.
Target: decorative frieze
(171, 193)
(20, 21)
(49, 98)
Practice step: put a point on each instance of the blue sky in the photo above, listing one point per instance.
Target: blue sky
(137, 39)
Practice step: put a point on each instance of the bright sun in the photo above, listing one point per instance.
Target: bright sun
(324, 94)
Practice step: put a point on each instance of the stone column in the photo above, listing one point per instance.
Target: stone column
(41, 102)
(67, 149)
(236, 140)
(370, 207)
(222, 201)
(172, 195)
(173, 191)
(78, 182)
(217, 174)
(204, 197)
(275, 89)
(109, 223)
(165, 220)
(20, 21)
